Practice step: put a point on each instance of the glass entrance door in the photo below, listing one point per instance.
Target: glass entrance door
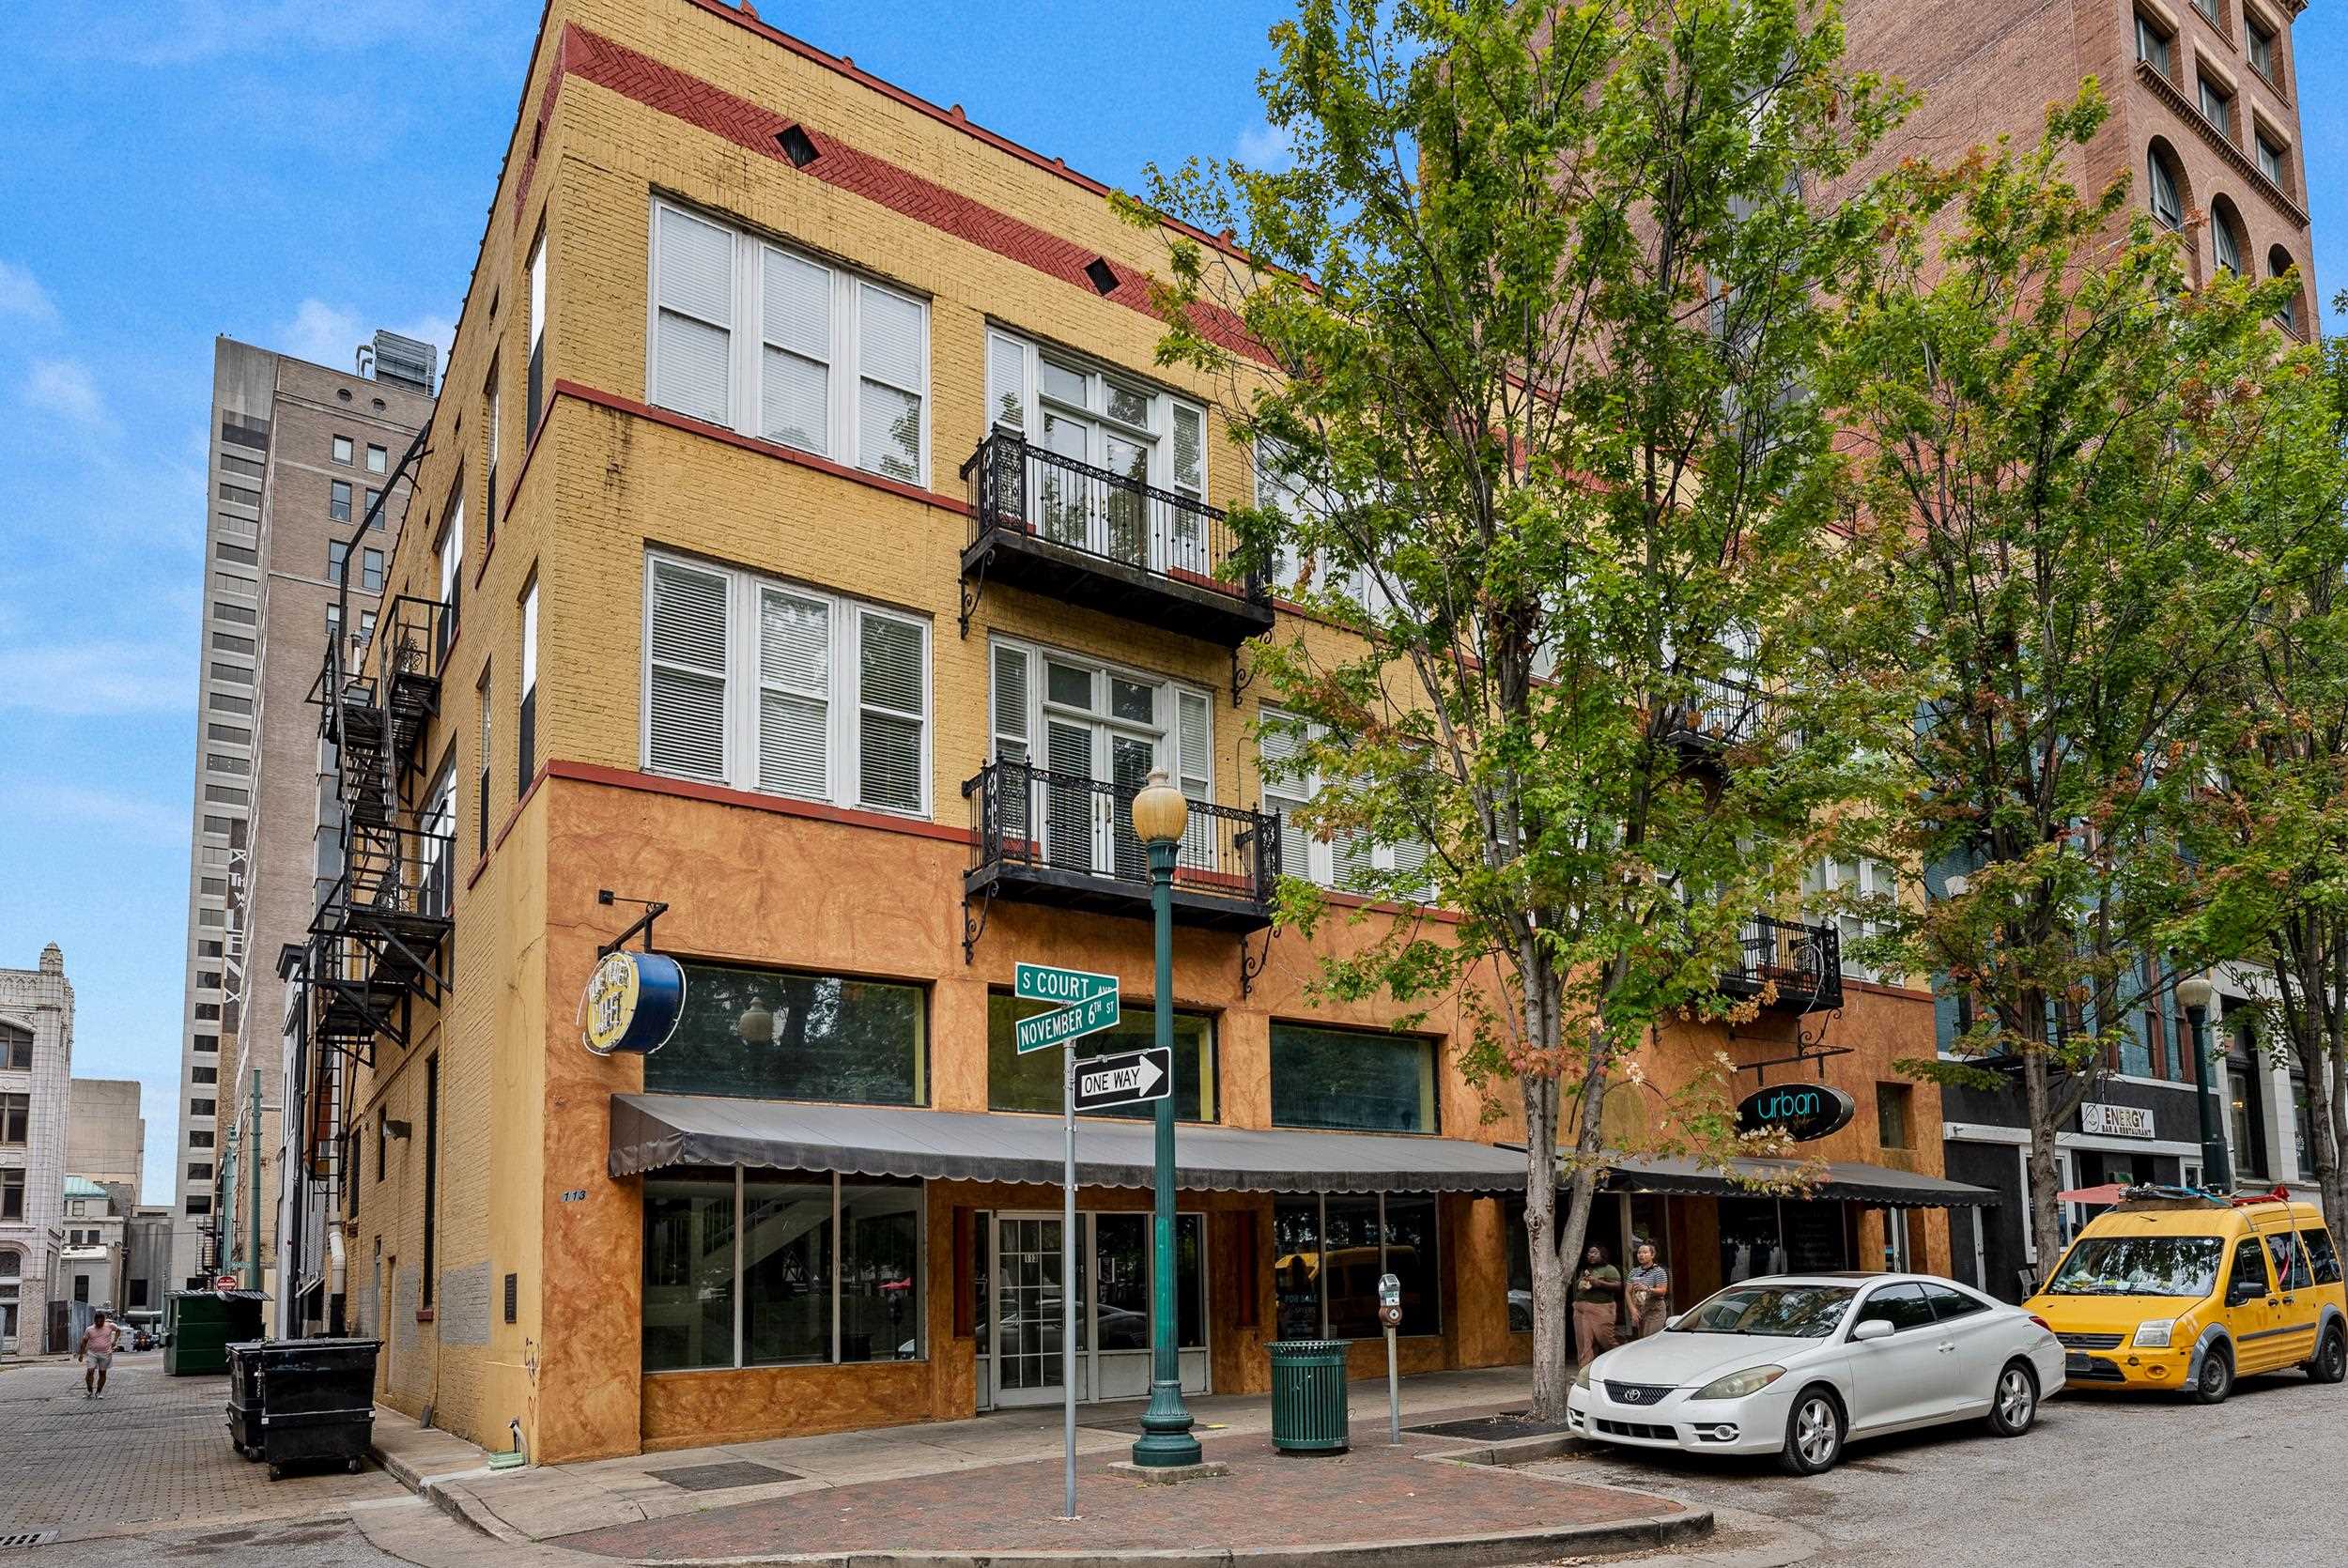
(1112, 1307)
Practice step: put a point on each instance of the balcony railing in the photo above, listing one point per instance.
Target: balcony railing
(398, 872)
(1057, 525)
(1804, 963)
(1058, 837)
(1716, 714)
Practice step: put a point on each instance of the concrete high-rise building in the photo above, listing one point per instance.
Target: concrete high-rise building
(105, 1139)
(299, 453)
(35, 1066)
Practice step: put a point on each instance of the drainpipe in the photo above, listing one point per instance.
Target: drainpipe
(252, 1260)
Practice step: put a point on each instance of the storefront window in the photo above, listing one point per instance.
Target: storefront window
(1328, 1253)
(1032, 1081)
(768, 1034)
(2300, 1123)
(880, 1271)
(1520, 1266)
(830, 1270)
(2245, 1063)
(688, 1272)
(1353, 1077)
(786, 1270)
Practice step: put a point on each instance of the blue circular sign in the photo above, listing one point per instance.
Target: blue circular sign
(632, 1004)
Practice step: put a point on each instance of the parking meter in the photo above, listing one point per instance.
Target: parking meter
(1390, 1313)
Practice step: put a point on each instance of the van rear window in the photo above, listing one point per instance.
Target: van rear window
(2139, 1265)
(2320, 1254)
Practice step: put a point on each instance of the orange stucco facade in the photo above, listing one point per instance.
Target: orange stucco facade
(520, 1295)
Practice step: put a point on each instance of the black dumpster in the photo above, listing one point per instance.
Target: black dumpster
(244, 1398)
(315, 1400)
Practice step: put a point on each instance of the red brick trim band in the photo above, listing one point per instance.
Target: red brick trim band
(752, 127)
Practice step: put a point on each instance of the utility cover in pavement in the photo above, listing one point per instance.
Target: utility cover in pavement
(719, 1477)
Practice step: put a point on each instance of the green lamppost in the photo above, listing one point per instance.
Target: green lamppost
(1160, 815)
(2195, 992)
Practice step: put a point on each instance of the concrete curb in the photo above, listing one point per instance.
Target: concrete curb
(1490, 1550)
(443, 1492)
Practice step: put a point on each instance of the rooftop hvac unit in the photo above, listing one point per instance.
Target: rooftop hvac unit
(407, 361)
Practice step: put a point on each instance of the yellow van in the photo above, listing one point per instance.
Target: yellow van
(2187, 1291)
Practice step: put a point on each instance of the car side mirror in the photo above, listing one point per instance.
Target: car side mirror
(1673, 1321)
(1871, 1328)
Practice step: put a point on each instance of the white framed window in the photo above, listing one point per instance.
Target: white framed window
(1345, 861)
(453, 551)
(534, 334)
(1278, 484)
(748, 335)
(1115, 423)
(1087, 720)
(1862, 877)
(767, 686)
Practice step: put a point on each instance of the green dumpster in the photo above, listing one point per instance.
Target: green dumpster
(1309, 1395)
(199, 1326)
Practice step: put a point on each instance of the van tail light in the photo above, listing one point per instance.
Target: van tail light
(2042, 1322)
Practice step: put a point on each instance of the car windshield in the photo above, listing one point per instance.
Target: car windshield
(1783, 1311)
(2139, 1265)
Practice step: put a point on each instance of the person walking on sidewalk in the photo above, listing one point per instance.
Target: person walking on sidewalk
(98, 1343)
(1597, 1299)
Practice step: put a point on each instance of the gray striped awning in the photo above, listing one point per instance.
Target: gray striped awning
(650, 1131)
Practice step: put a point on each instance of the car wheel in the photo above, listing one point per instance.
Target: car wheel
(1814, 1434)
(2015, 1405)
(2331, 1358)
(2217, 1379)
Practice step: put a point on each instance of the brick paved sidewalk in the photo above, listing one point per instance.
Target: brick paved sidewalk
(1374, 1494)
(154, 1449)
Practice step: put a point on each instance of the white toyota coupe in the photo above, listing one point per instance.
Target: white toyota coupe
(1797, 1365)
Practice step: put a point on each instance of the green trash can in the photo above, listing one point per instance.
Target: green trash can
(1309, 1395)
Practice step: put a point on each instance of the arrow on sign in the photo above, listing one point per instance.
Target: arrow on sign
(1107, 1082)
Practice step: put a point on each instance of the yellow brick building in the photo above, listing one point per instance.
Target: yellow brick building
(807, 543)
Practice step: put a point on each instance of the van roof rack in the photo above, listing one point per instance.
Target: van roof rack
(2278, 1193)
(2161, 1195)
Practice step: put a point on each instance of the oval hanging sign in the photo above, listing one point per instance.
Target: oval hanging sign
(1802, 1111)
(632, 1004)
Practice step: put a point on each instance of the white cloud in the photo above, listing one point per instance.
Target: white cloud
(330, 334)
(132, 817)
(84, 679)
(21, 294)
(64, 387)
(1267, 146)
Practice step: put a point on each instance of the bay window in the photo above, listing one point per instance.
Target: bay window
(773, 344)
(766, 686)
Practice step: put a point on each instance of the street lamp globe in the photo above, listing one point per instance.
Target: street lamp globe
(1160, 812)
(2194, 991)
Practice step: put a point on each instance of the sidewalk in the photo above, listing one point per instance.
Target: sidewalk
(988, 1489)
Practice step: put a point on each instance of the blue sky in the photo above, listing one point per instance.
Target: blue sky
(297, 174)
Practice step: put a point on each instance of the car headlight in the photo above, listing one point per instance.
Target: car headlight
(1738, 1384)
(2154, 1333)
(1582, 1379)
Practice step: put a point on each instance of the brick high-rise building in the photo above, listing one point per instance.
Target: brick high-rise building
(297, 454)
(2204, 123)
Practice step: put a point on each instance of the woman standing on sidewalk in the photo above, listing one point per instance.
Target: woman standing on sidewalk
(98, 1343)
(1651, 1292)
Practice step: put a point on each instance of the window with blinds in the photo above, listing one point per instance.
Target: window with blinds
(772, 686)
(1349, 862)
(773, 345)
(1279, 482)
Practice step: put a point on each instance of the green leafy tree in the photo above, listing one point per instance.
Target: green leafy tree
(2267, 827)
(1537, 433)
(2068, 461)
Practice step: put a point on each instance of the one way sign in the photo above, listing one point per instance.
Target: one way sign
(1107, 1082)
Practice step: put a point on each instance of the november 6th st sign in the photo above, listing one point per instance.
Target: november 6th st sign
(1088, 1004)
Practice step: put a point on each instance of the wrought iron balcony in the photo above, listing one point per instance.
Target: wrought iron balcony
(1716, 715)
(1789, 965)
(1056, 525)
(1062, 839)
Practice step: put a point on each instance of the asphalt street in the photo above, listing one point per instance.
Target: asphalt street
(2102, 1482)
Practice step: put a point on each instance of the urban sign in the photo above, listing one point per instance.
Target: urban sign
(631, 1005)
(2116, 1121)
(1132, 1077)
(1802, 1111)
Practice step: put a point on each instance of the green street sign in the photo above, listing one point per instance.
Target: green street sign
(1066, 1025)
(1046, 982)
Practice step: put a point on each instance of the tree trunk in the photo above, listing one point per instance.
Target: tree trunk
(1551, 1327)
(2044, 1178)
(2322, 1133)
